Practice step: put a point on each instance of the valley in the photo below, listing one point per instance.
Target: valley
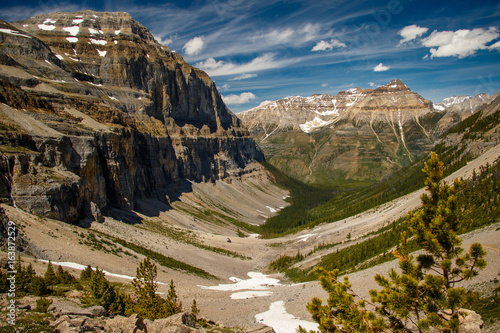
(114, 149)
(234, 307)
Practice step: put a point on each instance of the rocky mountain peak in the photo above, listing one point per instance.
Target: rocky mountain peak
(393, 86)
(391, 101)
(110, 114)
(87, 23)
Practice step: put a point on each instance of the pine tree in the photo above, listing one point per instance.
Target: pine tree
(100, 289)
(86, 273)
(149, 305)
(174, 305)
(194, 311)
(50, 276)
(424, 294)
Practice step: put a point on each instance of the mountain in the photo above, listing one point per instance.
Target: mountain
(317, 111)
(458, 108)
(355, 135)
(96, 114)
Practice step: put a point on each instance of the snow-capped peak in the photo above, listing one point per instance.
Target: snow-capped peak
(449, 101)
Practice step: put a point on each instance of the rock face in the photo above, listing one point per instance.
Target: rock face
(356, 135)
(96, 113)
(393, 103)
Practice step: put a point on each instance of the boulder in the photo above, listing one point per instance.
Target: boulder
(132, 324)
(178, 323)
(470, 322)
(63, 307)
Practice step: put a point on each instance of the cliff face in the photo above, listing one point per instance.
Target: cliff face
(393, 101)
(361, 135)
(95, 114)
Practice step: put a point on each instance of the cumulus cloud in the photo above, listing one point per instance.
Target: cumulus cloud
(381, 68)
(164, 40)
(239, 99)
(327, 46)
(194, 46)
(411, 32)
(243, 76)
(495, 46)
(264, 103)
(266, 61)
(460, 43)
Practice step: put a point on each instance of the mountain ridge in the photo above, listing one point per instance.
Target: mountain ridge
(359, 135)
(100, 115)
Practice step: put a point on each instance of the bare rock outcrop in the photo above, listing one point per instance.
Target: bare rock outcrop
(96, 114)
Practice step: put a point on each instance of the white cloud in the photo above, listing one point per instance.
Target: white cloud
(225, 87)
(324, 84)
(162, 41)
(290, 36)
(495, 46)
(264, 103)
(460, 43)
(326, 46)
(266, 61)
(239, 99)
(243, 76)
(381, 68)
(411, 32)
(194, 46)
(372, 84)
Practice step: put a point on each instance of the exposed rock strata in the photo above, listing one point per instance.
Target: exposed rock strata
(96, 113)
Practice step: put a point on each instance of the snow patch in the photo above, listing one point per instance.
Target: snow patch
(78, 21)
(304, 238)
(102, 53)
(274, 210)
(72, 39)
(82, 267)
(117, 32)
(73, 31)
(257, 281)
(98, 41)
(60, 57)
(47, 25)
(14, 32)
(314, 124)
(250, 294)
(281, 321)
(93, 31)
(74, 59)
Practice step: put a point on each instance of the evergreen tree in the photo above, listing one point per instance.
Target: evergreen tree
(38, 287)
(424, 295)
(174, 305)
(122, 305)
(194, 311)
(50, 276)
(149, 305)
(86, 273)
(100, 289)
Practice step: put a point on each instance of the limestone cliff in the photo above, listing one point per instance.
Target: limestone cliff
(95, 113)
(361, 135)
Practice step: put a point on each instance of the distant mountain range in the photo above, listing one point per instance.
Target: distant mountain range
(355, 135)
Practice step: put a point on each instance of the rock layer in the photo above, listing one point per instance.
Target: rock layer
(96, 114)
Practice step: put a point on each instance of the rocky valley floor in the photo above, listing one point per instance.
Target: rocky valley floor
(197, 232)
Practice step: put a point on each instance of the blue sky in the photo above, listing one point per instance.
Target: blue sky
(257, 51)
